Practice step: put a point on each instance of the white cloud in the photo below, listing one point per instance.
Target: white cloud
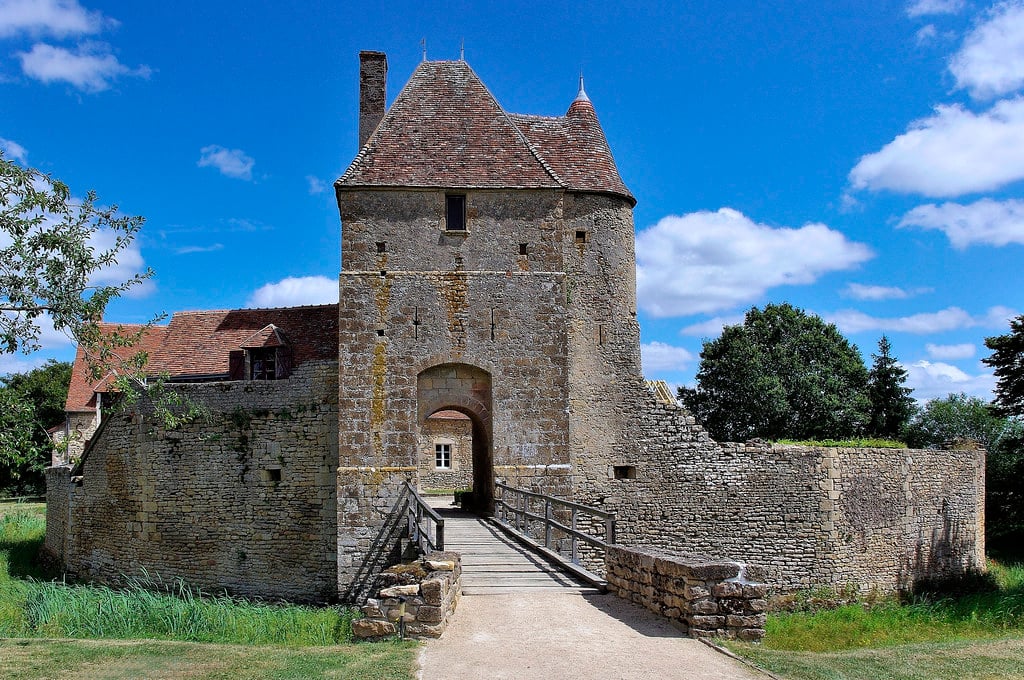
(129, 263)
(14, 363)
(996, 223)
(926, 34)
(990, 63)
(13, 150)
(931, 380)
(950, 352)
(659, 356)
(294, 291)
(951, 153)
(316, 185)
(90, 68)
(59, 18)
(230, 162)
(711, 328)
(920, 8)
(188, 250)
(860, 291)
(706, 261)
(951, 318)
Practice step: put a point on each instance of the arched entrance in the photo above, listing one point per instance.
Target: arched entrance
(465, 389)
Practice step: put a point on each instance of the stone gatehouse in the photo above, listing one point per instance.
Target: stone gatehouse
(488, 270)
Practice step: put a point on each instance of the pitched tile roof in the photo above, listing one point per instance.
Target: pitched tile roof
(200, 344)
(445, 129)
(82, 389)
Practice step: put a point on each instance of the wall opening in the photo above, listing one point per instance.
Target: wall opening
(624, 471)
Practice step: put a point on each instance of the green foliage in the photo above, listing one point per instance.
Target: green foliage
(891, 403)
(958, 416)
(782, 373)
(55, 252)
(29, 404)
(146, 608)
(861, 443)
(1007, 360)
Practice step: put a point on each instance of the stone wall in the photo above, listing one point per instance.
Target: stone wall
(244, 502)
(58, 511)
(811, 516)
(703, 597)
(457, 433)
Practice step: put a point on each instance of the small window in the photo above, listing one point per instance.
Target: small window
(625, 471)
(581, 236)
(443, 456)
(380, 332)
(523, 249)
(455, 212)
(263, 364)
(271, 475)
(382, 247)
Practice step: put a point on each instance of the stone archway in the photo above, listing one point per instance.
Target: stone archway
(466, 389)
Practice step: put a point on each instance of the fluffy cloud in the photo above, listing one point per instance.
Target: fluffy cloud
(129, 263)
(996, 223)
(931, 380)
(659, 356)
(951, 318)
(991, 61)
(292, 291)
(953, 152)
(230, 162)
(59, 18)
(920, 8)
(316, 185)
(13, 150)
(950, 352)
(706, 261)
(711, 327)
(860, 291)
(90, 67)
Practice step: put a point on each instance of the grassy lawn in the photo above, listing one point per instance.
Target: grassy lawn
(152, 629)
(976, 632)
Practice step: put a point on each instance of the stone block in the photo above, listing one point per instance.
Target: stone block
(755, 590)
(433, 591)
(365, 629)
(728, 589)
(428, 614)
(401, 591)
(751, 634)
(758, 606)
(704, 607)
(705, 622)
(753, 621)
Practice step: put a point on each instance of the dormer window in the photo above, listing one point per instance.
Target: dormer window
(263, 363)
(455, 212)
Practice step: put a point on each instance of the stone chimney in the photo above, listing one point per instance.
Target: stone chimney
(373, 76)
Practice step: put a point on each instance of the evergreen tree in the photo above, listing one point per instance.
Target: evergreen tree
(891, 403)
(1008, 361)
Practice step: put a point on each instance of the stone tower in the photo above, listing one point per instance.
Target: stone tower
(488, 268)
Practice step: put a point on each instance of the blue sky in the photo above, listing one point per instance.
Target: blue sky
(863, 161)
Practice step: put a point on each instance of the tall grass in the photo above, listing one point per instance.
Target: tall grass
(987, 607)
(146, 608)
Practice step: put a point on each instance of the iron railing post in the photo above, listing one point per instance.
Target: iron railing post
(547, 524)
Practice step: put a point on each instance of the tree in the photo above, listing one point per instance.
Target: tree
(891, 403)
(54, 253)
(1008, 361)
(782, 373)
(29, 404)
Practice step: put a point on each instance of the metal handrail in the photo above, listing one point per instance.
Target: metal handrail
(506, 506)
(417, 511)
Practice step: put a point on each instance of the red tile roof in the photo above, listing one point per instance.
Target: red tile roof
(82, 389)
(200, 344)
(445, 129)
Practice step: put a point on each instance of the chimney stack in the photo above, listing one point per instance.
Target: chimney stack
(373, 77)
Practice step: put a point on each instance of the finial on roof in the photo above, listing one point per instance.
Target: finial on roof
(423, 44)
(462, 50)
(581, 96)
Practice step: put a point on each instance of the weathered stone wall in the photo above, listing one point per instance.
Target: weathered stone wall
(58, 511)
(80, 427)
(810, 516)
(703, 597)
(418, 599)
(457, 433)
(244, 502)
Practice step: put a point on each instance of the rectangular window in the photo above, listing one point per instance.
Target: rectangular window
(455, 212)
(442, 456)
(263, 364)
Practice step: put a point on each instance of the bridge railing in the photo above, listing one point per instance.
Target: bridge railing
(426, 527)
(524, 511)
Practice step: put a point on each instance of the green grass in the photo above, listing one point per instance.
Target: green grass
(972, 629)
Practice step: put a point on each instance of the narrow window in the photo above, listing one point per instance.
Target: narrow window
(271, 475)
(522, 249)
(455, 212)
(581, 236)
(380, 332)
(263, 364)
(442, 456)
(382, 247)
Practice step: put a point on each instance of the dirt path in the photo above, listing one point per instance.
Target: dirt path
(568, 636)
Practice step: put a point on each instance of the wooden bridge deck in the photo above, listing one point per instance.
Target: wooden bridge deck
(493, 563)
